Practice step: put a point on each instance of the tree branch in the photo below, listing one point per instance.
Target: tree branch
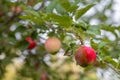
(111, 67)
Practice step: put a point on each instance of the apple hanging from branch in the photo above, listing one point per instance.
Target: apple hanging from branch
(85, 56)
(52, 45)
(32, 43)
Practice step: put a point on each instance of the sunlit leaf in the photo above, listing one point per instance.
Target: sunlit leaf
(93, 30)
(82, 11)
(64, 21)
(51, 6)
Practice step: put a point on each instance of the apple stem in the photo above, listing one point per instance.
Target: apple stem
(70, 31)
(10, 19)
(81, 40)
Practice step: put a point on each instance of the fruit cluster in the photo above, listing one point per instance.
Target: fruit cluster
(16, 9)
(84, 55)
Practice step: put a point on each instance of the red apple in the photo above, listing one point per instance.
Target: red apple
(85, 56)
(32, 43)
(52, 45)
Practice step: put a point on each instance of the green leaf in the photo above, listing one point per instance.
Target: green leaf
(20, 29)
(36, 20)
(64, 21)
(115, 53)
(82, 11)
(33, 16)
(93, 30)
(34, 34)
(32, 12)
(65, 4)
(110, 60)
(111, 29)
(22, 45)
(102, 44)
(82, 25)
(60, 9)
(51, 6)
(73, 8)
(93, 44)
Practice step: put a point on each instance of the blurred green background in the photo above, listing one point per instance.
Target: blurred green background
(95, 22)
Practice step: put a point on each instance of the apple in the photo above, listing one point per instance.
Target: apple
(44, 76)
(52, 45)
(16, 9)
(85, 56)
(1, 13)
(32, 43)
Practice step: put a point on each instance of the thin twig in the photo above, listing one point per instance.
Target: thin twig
(77, 35)
(41, 8)
(49, 25)
(111, 67)
(80, 38)
(11, 19)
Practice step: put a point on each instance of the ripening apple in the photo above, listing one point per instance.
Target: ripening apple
(16, 9)
(52, 45)
(32, 43)
(1, 13)
(85, 56)
(44, 76)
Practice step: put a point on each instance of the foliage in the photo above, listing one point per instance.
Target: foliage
(64, 19)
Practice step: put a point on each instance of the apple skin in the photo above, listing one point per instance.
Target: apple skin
(1, 13)
(85, 56)
(52, 45)
(16, 9)
(44, 76)
(32, 43)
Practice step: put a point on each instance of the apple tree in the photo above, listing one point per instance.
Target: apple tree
(58, 39)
